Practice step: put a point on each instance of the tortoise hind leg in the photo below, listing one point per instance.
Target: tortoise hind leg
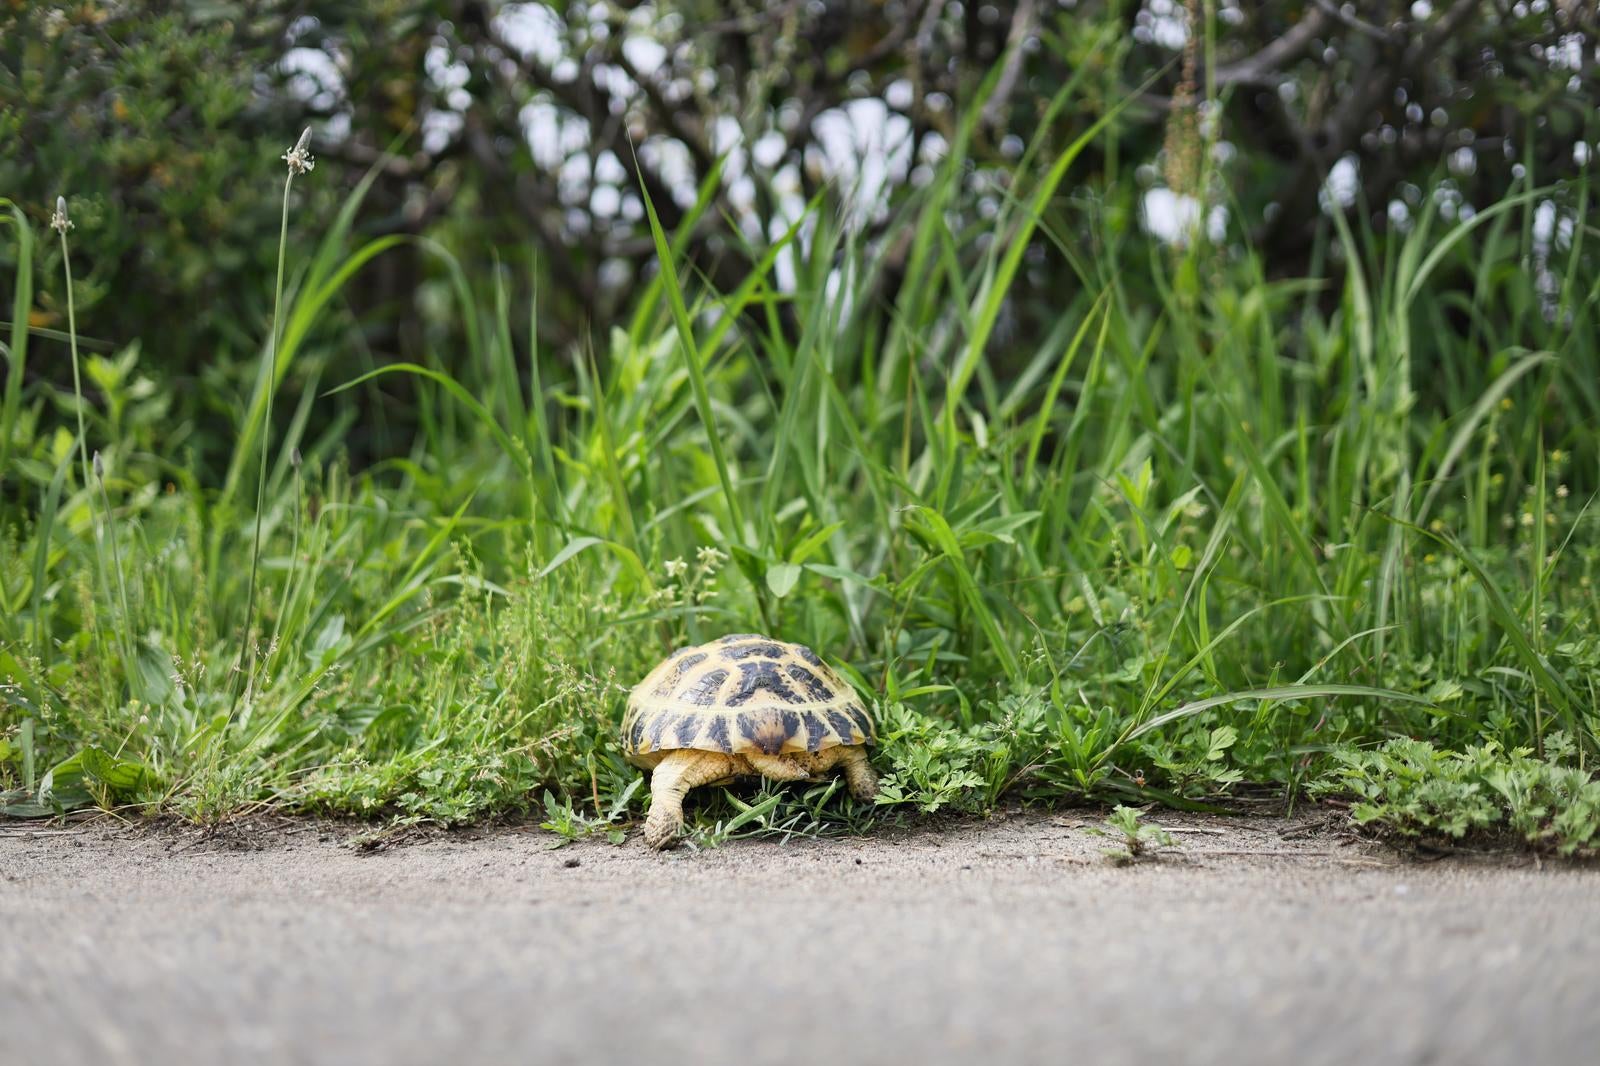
(783, 767)
(850, 761)
(858, 773)
(674, 776)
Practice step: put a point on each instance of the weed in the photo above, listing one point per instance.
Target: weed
(929, 765)
(1135, 839)
(569, 823)
(1412, 788)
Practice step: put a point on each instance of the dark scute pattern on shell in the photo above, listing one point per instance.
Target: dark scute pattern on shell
(862, 721)
(815, 687)
(636, 734)
(766, 650)
(681, 666)
(841, 725)
(703, 692)
(807, 654)
(767, 731)
(718, 734)
(816, 731)
(761, 677)
(688, 726)
(734, 638)
(657, 726)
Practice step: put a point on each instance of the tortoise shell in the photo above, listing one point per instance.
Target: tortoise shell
(743, 694)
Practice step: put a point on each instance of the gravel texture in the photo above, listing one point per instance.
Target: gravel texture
(1012, 940)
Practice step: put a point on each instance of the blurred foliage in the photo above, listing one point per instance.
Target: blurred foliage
(159, 127)
(516, 129)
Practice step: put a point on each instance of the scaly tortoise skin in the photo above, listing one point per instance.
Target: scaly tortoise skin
(742, 705)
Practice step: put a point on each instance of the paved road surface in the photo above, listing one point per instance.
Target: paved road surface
(1006, 942)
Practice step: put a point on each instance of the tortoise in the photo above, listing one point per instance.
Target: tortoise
(742, 705)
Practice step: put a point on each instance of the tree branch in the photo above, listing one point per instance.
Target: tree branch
(1021, 26)
(1253, 69)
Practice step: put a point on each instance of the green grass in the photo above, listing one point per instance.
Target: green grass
(1202, 532)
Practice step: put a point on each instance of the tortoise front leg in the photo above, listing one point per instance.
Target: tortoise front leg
(673, 776)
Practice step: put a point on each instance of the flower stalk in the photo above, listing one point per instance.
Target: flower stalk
(62, 223)
(299, 161)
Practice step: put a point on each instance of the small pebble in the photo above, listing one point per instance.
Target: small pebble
(572, 862)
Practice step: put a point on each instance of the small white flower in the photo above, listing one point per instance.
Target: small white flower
(299, 157)
(1562, 492)
(709, 558)
(675, 567)
(59, 221)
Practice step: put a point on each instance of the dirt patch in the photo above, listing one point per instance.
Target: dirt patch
(1316, 833)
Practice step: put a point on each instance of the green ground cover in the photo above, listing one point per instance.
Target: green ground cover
(1210, 534)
